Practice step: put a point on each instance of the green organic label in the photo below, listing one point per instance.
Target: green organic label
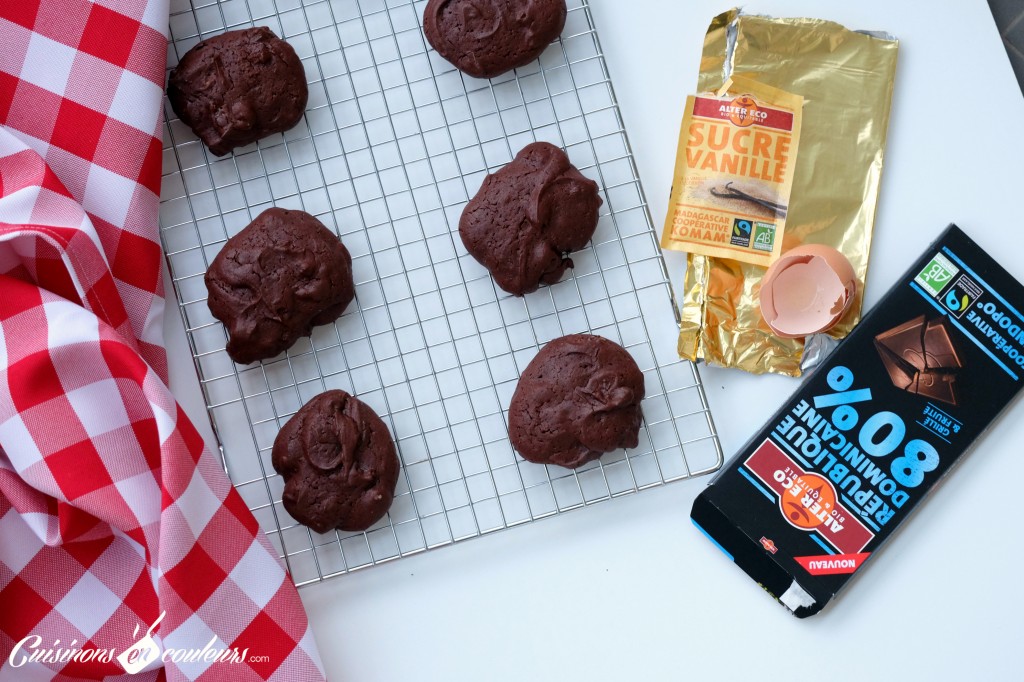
(937, 274)
(764, 237)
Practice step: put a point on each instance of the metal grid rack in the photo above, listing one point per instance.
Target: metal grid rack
(393, 144)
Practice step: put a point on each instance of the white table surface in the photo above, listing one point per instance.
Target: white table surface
(628, 589)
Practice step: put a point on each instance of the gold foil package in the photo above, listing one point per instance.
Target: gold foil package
(845, 79)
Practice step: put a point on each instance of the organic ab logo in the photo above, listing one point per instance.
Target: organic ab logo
(135, 658)
(936, 274)
(764, 236)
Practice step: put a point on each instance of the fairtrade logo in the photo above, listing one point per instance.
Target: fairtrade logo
(961, 295)
(741, 230)
(955, 301)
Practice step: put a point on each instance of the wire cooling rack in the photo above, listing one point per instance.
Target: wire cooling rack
(393, 144)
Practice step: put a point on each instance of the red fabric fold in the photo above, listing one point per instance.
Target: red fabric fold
(114, 515)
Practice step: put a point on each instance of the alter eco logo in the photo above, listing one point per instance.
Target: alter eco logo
(936, 275)
(146, 654)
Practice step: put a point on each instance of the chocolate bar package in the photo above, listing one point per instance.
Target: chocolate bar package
(873, 429)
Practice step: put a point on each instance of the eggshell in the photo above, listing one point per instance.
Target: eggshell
(807, 290)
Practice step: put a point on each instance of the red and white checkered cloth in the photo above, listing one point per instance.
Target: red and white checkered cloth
(112, 510)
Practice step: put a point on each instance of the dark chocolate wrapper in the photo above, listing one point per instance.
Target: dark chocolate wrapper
(872, 430)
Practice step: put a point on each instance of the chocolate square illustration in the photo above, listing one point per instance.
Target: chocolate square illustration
(920, 357)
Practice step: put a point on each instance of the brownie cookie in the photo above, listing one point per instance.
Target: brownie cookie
(527, 216)
(271, 283)
(338, 462)
(238, 87)
(579, 398)
(486, 38)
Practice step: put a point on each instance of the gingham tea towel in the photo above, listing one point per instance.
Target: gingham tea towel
(124, 551)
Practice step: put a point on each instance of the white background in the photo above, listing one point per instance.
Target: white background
(628, 589)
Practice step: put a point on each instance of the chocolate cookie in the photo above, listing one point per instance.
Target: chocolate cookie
(486, 38)
(579, 398)
(238, 87)
(338, 462)
(527, 216)
(271, 283)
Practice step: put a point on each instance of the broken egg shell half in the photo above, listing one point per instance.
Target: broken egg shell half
(807, 290)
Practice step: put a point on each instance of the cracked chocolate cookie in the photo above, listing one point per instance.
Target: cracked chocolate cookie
(578, 399)
(486, 38)
(271, 283)
(238, 87)
(527, 216)
(338, 462)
